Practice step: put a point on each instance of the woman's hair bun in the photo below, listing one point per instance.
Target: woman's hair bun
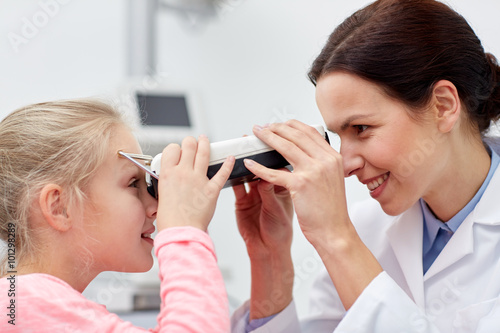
(492, 107)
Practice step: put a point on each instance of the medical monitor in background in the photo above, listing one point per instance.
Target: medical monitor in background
(164, 114)
(163, 109)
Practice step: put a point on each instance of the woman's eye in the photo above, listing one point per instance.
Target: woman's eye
(360, 128)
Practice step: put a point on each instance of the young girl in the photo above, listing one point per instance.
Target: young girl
(409, 89)
(73, 206)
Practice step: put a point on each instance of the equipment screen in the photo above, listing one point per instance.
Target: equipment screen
(163, 110)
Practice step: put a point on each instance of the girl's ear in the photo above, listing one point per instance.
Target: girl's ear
(54, 207)
(447, 105)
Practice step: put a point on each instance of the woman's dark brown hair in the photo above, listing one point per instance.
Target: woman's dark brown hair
(405, 46)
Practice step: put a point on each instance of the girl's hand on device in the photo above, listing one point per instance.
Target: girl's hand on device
(186, 197)
(317, 183)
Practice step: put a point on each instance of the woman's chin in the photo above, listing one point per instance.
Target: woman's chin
(394, 209)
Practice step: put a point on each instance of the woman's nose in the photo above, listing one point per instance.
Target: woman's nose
(351, 158)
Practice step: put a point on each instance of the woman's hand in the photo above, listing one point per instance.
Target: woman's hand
(317, 182)
(264, 216)
(186, 197)
(318, 194)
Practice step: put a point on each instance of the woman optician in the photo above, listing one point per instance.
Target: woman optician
(409, 90)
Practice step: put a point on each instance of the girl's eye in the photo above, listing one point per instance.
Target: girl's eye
(360, 128)
(134, 183)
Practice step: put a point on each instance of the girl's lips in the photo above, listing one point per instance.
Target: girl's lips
(150, 231)
(147, 237)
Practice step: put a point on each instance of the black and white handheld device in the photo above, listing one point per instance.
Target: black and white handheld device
(248, 147)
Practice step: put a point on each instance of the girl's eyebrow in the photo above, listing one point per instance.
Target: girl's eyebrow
(132, 158)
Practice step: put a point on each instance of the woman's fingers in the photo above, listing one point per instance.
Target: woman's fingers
(294, 140)
(267, 194)
(277, 177)
(312, 134)
(240, 192)
(289, 150)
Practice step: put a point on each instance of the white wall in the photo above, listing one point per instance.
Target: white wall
(248, 65)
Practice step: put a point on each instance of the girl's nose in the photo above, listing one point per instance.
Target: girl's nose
(150, 203)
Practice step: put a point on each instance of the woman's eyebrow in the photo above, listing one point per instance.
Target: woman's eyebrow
(349, 120)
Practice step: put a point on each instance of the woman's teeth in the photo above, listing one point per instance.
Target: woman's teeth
(372, 186)
(146, 235)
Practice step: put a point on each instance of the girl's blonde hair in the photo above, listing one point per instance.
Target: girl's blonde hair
(61, 142)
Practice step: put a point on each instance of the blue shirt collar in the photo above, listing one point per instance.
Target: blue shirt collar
(432, 224)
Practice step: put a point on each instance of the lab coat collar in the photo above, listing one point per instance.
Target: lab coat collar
(486, 212)
(406, 232)
(405, 237)
(462, 243)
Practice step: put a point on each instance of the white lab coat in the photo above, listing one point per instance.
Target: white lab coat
(459, 293)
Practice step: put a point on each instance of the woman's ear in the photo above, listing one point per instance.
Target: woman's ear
(54, 207)
(447, 105)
